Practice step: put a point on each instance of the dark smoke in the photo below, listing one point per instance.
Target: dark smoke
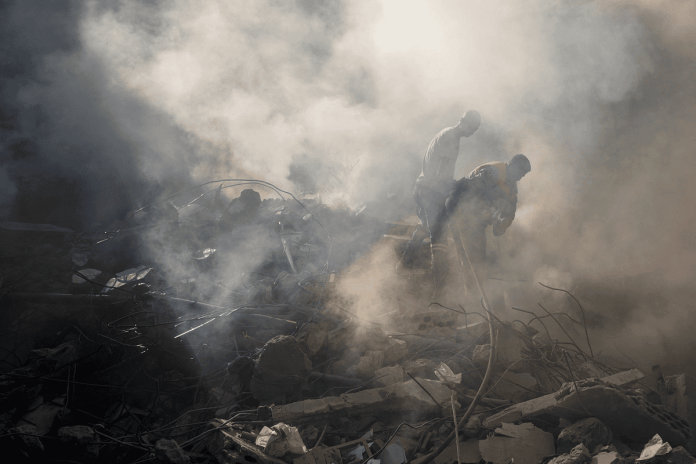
(75, 149)
(105, 108)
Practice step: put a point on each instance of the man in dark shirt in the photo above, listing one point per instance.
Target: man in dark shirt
(488, 196)
(432, 187)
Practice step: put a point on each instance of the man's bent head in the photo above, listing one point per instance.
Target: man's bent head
(469, 123)
(517, 167)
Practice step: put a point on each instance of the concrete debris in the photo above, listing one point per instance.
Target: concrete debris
(517, 387)
(224, 438)
(79, 441)
(590, 432)
(169, 452)
(312, 337)
(389, 375)
(328, 455)
(388, 399)
(422, 368)
(392, 454)
(681, 401)
(655, 447)
(469, 453)
(26, 441)
(626, 414)
(281, 439)
(43, 415)
(546, 404)
(126, 277)
(445, 374)
(121, 347)
(281, 369)
(524, 443)
(578, 455)
(608, 457)
(678, 455)
(370, 362)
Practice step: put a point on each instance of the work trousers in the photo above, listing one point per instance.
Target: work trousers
(433, 217)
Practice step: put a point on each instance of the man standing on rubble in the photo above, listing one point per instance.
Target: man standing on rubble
(488, 196)
(432, 187)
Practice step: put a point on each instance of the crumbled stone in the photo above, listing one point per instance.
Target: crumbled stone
(590, 432)
(169, 452)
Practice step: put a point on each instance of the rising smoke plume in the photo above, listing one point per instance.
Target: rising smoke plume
(107, 106)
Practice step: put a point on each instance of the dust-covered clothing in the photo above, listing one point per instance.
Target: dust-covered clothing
(431, 211)
(489, 182)
(439, 161)
(485, 197)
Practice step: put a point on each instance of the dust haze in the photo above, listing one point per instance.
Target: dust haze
(107, 107)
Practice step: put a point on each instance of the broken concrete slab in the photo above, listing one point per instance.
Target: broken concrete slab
(516, 387)
(445, 374)
(422, 368)
(169, 452)
(325, 455)
(312, 337)
(280, 439)
(590, 432)
(681, 401)
(225, 438)
(43, 415)
(578, 455)
(388, 376)
(79, 440)
(29, 445)
(678, 456)
(469, 453)
(392, 454)
(395, 351)
(281, 369)
(627, 415)
(544, 403)
(367, 365)
(524, 443)
(607, 457)
(655, 447)
(475, 330)
(406, 395)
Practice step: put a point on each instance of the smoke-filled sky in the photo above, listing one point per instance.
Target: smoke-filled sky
(104, 106)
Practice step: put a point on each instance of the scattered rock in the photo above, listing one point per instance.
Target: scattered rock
(524, 443)
(481, 355)
(608, 457)
(29, 445)
(312, 337)
(423, 368)
(80, 440)
(368, 364)
(364, 423)
(395, 351)
(678, 456)
(310, 435)
(578, 455)
(387, 376)
(169, 452)
(591, 432)
(281, 369)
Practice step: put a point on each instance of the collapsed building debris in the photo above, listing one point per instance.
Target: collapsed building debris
(111, 353)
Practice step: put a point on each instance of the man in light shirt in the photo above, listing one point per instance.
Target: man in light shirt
(432, 187)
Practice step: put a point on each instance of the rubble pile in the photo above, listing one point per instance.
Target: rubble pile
(141, 345)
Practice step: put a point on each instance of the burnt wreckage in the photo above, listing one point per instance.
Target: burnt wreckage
(146, 343)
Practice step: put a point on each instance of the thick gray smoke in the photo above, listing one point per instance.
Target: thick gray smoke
(113, 105)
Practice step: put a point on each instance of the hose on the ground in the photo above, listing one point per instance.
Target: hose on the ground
(491, 360)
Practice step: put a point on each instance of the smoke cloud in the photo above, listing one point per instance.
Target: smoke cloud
(107, 106)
